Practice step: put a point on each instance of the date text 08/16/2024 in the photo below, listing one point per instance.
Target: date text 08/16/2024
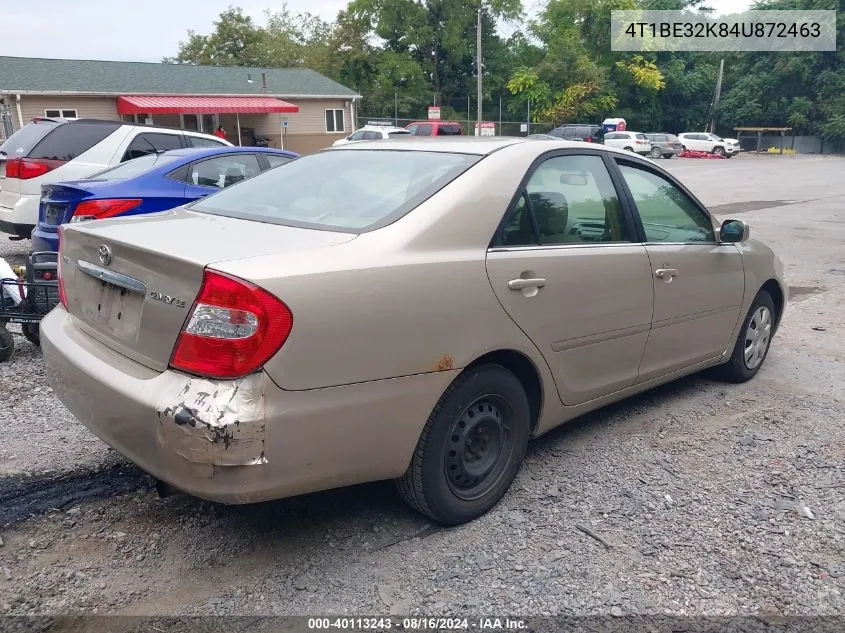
(416, 624)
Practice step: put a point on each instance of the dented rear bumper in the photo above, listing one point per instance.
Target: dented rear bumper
(239, 441)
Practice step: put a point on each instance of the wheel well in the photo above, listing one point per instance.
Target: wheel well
(523, 368)
(774, 290)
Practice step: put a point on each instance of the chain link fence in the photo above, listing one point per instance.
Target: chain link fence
(461, 110)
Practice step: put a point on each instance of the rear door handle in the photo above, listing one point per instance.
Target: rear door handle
(522, 284)
(664, 273)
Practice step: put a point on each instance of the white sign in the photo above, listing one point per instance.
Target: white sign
(523, 127)
(485, 128)
(434, 112)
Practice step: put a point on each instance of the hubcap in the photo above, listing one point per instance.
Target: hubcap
(476, 448)
(757, 337)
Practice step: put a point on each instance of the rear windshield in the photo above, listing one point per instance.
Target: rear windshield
(641, 137)
(351, 191)
(134, 167)
(399, 133)
(68, 141)
(21, 142)
(672, 137)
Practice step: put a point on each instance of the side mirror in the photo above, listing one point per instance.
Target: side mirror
(734, 231)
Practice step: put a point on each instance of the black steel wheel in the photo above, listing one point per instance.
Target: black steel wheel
(471, 447)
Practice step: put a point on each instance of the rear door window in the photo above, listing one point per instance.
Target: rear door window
(224, 171)
(275, 160)
(21, 142)
(199, 141)
(151, 143)
(451, 129)
(68, 141)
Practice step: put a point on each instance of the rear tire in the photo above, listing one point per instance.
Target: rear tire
(7, 344)
(655, 152)
(32, 332)
(753, 342)
(471, 447)
(628, 149)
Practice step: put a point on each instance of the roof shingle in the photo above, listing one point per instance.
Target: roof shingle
(27, 74)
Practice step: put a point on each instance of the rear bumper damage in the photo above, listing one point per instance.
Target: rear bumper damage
(240, 441)
(215, 422)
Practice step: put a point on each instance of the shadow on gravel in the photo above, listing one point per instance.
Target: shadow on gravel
(24, 496)
(373, 504)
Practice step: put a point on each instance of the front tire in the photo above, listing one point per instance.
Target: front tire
(719, 151)
(752, 344)
(471, 447)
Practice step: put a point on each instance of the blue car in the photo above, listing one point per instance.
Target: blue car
(155, 182)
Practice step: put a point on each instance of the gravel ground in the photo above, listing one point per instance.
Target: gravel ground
(698, 498)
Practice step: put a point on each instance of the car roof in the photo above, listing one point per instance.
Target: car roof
(202, 152)
(481, 146)
(390, 128)
(435, 122)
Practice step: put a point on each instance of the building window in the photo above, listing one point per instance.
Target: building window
(334, 121)
(61, 114)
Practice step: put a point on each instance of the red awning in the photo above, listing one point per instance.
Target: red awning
(202, 105)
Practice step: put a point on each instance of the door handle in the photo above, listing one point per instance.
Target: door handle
(522, 284)
(664, 273)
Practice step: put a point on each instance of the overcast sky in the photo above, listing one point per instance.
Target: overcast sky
(146, 30)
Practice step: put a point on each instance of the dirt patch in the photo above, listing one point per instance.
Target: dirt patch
(22, 496)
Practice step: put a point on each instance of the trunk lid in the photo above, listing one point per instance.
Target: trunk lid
(131, 282)
(58, 202)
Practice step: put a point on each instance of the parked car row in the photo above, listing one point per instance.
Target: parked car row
(49, 150)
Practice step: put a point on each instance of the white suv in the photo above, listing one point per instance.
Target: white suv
(705, 142)
(631, 141)
(54, 150)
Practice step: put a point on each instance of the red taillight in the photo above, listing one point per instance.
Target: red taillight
(102, 209)
(233, 329)
(589, 139)
(62, 294)
(26, 168)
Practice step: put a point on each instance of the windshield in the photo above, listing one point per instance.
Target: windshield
(21, 142)
(134, 167)
(343, 190)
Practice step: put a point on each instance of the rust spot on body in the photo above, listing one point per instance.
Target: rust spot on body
(445, 362)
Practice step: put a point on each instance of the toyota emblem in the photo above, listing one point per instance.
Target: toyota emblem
(105, 255)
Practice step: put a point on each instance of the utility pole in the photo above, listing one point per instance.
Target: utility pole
(718, 94)
(478, 65)
(528, 119)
